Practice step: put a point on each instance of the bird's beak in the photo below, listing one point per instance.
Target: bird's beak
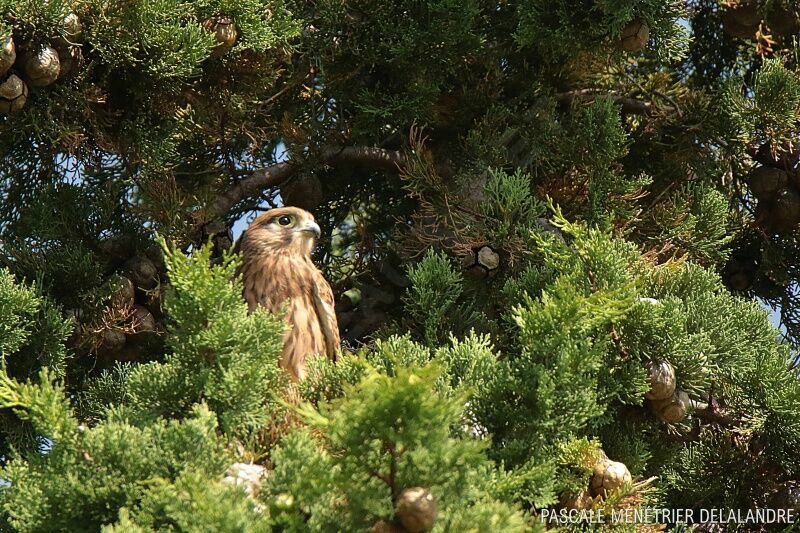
(311, 227)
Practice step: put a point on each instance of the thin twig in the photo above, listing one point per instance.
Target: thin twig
(289, 85)
(657, 93)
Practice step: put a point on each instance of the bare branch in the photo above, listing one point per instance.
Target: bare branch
(376, 157)
(712, 414)
(630, 106)
(275, 175)
(258, 180)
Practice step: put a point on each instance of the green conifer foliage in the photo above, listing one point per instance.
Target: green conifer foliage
(216, 382)
(388, 434)
(558, 233)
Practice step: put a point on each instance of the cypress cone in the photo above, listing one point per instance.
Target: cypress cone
(765, 181)
(225, 33)
(13, 95)
(142, 271)
(416, 509)
(634, 36)
(662, 380)
(8, 54)
(42, 68)
(673, 409)
(608, 476)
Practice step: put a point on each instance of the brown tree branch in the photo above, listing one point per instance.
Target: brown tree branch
(630, 106)
(377, 157)
(275, 175)
(257, 181)
(711, 414)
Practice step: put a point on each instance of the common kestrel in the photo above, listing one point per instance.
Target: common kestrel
(277, 271)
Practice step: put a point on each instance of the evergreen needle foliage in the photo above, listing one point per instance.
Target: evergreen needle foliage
(559, 234)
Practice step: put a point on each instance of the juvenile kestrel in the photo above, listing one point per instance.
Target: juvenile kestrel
(277, 270)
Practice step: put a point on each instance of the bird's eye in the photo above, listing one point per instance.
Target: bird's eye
(285, 220)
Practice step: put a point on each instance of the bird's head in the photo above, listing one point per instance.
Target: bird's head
(283, 230)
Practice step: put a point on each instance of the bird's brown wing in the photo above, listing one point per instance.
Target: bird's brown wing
(323, 302)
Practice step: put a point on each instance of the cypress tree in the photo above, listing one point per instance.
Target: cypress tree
(562, 236)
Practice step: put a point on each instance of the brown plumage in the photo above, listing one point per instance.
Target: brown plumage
(277, 271)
